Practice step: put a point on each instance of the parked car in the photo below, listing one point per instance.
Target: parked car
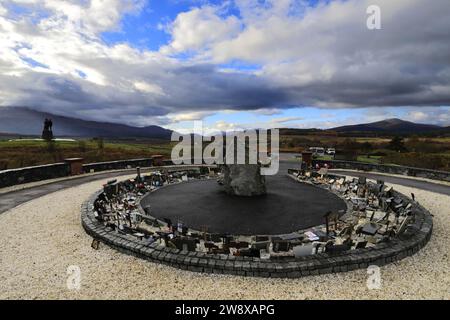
(331, 151)
(317, 151)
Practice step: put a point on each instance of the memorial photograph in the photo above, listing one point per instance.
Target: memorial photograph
(213, 159)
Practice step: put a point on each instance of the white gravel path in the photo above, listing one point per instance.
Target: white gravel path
(40, 239)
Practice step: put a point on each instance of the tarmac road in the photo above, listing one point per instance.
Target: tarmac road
(12, 199)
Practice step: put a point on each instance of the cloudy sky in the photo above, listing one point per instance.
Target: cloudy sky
(233, 64)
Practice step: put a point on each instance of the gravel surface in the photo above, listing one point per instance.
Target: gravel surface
(280, 211)
(42, 238)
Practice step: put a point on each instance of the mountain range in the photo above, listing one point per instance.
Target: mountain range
(390, 126)
(25, 121)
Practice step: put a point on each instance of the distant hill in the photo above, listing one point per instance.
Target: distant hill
(387, 127)
(24, 121)
(390, 126)
(28, 122)
(293, 132)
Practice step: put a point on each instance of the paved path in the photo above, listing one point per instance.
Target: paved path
(288, 161)
(15, 198)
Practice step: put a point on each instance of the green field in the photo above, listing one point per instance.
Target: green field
(16, 154)
(365, 159)
(371, 159)
(431, 153)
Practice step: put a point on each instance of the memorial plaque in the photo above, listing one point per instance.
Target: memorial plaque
(304, 251)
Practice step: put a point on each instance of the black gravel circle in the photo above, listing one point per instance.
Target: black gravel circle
(288, 206)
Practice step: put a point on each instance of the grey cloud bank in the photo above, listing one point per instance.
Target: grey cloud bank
(322, 56)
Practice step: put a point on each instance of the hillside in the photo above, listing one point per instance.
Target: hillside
(24, 121)
(391, 126)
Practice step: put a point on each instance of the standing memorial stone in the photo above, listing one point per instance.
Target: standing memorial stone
(244, 180)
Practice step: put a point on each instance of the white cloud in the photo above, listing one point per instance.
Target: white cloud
(284, 120)
(54, 59)
(3, 10)
(222, 125)
(268, 112)
(200, 29)
(418, 116)
(436, 115)
(148, 87)
(189, 116)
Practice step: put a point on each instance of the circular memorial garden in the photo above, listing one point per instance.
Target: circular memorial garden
(308, 223)
(286, 207)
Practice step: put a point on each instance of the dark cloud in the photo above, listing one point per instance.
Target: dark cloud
(325, 57)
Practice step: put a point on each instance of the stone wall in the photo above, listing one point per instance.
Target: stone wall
(18, 176)
(13, 177)
(391, 169)
(117, 165)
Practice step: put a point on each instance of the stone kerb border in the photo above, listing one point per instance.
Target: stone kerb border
(414, 238)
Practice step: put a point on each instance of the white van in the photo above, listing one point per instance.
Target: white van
(317, 151)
